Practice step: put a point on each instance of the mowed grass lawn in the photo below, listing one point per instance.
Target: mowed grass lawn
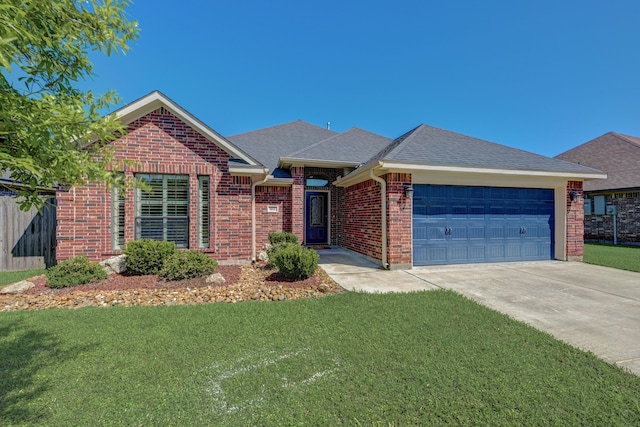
(7, 277)
(622, 257)
(428, 358)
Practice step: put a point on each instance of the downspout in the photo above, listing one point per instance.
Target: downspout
(383, 190)
(253, 216)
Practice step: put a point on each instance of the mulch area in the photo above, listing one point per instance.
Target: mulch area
(259, 282)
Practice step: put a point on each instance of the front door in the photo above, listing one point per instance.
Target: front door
(316, 218)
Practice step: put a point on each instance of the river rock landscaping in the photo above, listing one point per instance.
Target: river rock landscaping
(259, 282)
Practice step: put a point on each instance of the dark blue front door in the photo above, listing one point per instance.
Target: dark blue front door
(466, 224)
(316, 221)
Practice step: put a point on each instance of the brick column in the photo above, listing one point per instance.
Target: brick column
(297, 202)
(399, 209)
(575, 223)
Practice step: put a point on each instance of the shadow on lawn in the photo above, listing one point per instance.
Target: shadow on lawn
(24, 353)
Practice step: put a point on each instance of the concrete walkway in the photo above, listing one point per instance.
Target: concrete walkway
(591, 307)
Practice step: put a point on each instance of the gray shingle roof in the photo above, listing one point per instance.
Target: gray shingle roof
(433, 146)
(269, 144)
(616, 154)
(355, 145)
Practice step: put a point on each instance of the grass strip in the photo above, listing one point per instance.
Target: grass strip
(7, 277)
(426, 358)
(621, 257)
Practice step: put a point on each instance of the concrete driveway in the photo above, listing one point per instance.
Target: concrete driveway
(593, 308)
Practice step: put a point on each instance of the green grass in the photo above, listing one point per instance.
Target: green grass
(622, 257)
(428, 358)
(7, 277)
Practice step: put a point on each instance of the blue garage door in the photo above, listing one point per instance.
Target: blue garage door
(464, 224)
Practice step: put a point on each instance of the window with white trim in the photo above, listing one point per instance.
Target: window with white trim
(162, 209)
(117, 219)
(203, 211)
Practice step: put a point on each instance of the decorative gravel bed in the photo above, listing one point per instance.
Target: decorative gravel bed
(242, 283)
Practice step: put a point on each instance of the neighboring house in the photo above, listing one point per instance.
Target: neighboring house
(614, 201)
(27, 239)
(430, 196)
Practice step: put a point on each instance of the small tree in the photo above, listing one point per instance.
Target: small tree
(46, 122)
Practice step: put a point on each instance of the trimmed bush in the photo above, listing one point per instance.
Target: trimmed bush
(295, 262)
(73, 272)
(188, 265)
(147, 256)
(276, 237)
(278, 247)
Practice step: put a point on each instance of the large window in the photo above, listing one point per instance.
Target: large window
(203, 211)
(162, 209)
(117, 219)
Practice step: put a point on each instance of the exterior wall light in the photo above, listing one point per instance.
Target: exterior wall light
(408, 191)
(575, 195)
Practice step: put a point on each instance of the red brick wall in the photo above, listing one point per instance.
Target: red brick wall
(399, 208)
(266, 222)
(575, 223)
(160, 143)
(362, 219)
(297, 202)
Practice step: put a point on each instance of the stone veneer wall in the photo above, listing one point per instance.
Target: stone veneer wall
(599, 228)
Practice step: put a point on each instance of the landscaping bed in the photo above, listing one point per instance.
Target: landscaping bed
(242, 283)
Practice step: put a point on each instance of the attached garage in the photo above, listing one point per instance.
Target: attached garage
(474, 224)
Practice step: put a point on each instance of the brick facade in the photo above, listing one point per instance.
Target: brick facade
(362, 219)
(399, 219)
(575, 223)
(160, 143)
(599, 228)
(267, 222)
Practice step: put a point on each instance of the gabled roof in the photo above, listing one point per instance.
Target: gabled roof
(269, 144)
(616, 154)
(157, 99)
(430, 148)
(350, 148)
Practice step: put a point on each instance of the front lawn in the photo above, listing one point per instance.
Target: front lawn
(428, 358)
(622, 257)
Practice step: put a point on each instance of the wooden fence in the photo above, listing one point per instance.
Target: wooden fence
(27, 239)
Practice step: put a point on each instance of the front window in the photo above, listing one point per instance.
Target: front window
(117, 219)
(203, 211)
(162, 209)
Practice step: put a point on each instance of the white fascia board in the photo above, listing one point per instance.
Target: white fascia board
(404, 167)
(356, 176)
(156, 99)
(277, 182)
(292, 161)
(383, 167)
(247, 170)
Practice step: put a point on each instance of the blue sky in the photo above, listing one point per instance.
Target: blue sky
(541, 75)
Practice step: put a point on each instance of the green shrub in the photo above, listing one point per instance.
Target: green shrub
(74, 271)
(278, 247)
(187, 265)
(295, 262)
(276, 237)
(147, 256)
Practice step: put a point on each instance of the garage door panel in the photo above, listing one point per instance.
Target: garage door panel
(476, 232)
(459, 253)
(456, 224)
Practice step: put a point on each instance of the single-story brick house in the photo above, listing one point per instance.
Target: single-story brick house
(430, 196)
(618, 196)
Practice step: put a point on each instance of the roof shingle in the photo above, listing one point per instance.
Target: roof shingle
(433, 146)
(616, 154)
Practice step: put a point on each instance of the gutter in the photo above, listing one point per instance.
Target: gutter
(383, 191)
